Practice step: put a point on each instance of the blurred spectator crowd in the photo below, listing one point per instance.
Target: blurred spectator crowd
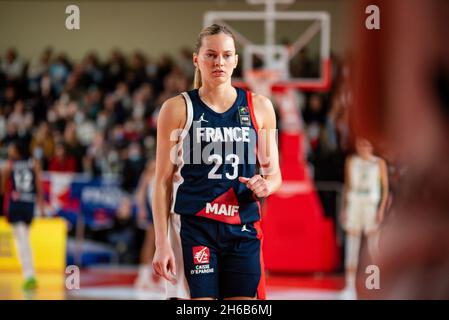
(98, 117)
(92, 116)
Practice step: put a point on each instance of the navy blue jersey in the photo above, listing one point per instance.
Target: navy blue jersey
(22, 181)
(214, 150)
(20, 193)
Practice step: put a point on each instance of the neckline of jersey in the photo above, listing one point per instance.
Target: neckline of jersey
(218, 114)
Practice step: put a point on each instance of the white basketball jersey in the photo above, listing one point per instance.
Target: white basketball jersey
(365, 178)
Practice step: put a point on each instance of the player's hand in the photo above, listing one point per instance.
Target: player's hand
(257, 184)
(164, 262)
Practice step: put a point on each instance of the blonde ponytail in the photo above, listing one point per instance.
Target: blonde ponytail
(197, 79)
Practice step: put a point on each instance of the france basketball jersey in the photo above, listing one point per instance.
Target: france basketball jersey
(216, 149)
(22, 181)
(20, 193)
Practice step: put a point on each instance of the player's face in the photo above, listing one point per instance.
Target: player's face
(216, 58)
(364, 147)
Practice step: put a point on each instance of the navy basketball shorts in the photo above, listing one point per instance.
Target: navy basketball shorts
(216, 260)
(20, 212)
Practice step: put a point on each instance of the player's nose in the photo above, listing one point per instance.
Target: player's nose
(219, 60)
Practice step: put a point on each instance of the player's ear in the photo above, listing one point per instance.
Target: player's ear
(195, 59)
(236, 60)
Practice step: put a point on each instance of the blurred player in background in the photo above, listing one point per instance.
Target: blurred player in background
(366, 193)
(22, 189)
(146, 279)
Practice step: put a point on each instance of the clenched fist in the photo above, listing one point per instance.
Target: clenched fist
(257, 184)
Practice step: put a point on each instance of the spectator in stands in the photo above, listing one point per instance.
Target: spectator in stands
(61, 161)
(133, 130)
(21, 118)
(92, 103)
(122, 102)
(36, 70)
(12, 66)
(143, 102)
(92, 70)
(43, 100)
(94, 160)
(42, 144)
(117, 137)
(164, 67)
(114, 71)
(137, 74)
(134, 165)
(59, 72)
(73, 146)
(8, 98)
(107, 116)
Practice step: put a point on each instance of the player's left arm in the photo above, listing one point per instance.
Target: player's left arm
(270, 179)
(39, 189)
(384, 184)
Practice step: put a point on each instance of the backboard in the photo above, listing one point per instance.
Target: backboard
(289, 60)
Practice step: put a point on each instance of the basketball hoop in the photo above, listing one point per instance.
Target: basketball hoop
(273, 55)
(260, 81)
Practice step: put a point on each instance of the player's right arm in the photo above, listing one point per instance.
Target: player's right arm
(172, 117)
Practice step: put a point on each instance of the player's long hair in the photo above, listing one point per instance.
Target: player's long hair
(208, 31)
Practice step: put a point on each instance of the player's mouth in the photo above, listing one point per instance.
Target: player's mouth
(218, 73)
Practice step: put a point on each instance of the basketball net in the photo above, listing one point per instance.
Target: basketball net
(260, 81)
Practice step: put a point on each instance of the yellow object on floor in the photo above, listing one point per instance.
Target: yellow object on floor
(48, 238)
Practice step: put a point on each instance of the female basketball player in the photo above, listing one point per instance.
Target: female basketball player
(145, 279)
(22, 189)
(206, 207)
(366, 192)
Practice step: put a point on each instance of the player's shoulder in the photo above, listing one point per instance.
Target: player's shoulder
(173, 112)
(261, 102)
(264, 111)
(175, 103)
